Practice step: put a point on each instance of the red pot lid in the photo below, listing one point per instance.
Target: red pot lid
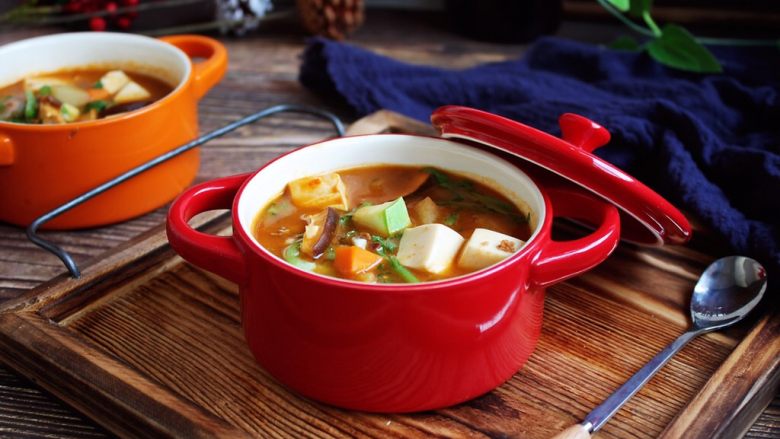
(643, 210)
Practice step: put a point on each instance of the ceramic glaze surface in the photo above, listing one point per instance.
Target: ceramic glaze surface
(650, 219)
(390, 347)
(75, 158)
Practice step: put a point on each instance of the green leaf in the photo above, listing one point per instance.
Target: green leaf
(677, 48)
(639, 7)
(621, 5)
(98, 85)
(44, 91)
(624, 42)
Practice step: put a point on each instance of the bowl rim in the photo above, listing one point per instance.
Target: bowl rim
(173, 94)
(538, 236)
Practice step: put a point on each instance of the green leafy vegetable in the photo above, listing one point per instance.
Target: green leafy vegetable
(97, 85)
(388, 246)
(677, 48)
(292, 254)
(44, 91)
(465, 196)
(402, 271)
(31, 106)
(98, 106)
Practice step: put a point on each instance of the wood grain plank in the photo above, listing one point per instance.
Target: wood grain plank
(30, 412)
(751, 375)
(37, 345)
(262, 73)
(188, 323)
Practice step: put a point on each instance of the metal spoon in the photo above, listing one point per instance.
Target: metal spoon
(727, 290)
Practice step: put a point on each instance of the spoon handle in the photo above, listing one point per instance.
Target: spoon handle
(611, 405)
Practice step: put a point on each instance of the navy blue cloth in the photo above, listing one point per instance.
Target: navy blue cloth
(708, 143)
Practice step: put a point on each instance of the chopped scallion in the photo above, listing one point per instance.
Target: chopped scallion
(31, 106)
(292, 254)
(451, 219)
(330, 253)
(402, 271)
(388, 246)
(97, 106)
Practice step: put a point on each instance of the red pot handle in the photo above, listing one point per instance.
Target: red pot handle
(560, 260)
(217, 254)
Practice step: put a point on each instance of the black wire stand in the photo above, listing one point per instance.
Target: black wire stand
(65, 257)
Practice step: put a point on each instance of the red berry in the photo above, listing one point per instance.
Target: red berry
(111, 7)
(130, 2)
(123, 22)
(97, 24)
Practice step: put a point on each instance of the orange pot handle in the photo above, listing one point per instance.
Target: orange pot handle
(6, 150)
(208, 71)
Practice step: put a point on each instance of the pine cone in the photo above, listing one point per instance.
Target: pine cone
(331, 18)
(241, 16)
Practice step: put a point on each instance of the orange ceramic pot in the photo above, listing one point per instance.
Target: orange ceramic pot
(43, 166)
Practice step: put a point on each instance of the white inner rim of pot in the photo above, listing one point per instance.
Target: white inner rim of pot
(81, 50)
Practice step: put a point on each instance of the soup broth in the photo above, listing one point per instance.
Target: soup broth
(391, 224)
(78, 95)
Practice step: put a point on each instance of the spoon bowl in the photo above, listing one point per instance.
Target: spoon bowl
(727, 291)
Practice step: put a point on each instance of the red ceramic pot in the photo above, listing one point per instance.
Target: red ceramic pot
(399, 347)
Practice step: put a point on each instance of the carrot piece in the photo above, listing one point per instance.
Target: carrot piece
(97, 94)
(351, 260)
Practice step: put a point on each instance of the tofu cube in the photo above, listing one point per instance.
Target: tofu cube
(486, 247)
(430, 247)
(35, 84)
(114, 80)
(321, 191)
(427, 211)
(132, 92)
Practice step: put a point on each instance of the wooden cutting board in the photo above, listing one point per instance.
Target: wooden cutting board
(148, 345)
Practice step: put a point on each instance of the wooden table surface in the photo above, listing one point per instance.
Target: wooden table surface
(263, 71)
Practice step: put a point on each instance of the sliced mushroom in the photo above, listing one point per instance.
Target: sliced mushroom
(392, 186)
(11, 107)
(319, 232)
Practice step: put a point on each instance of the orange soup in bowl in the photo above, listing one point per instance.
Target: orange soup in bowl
(78, 95)
(391, 224)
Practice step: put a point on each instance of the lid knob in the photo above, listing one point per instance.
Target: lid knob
(583, 132)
